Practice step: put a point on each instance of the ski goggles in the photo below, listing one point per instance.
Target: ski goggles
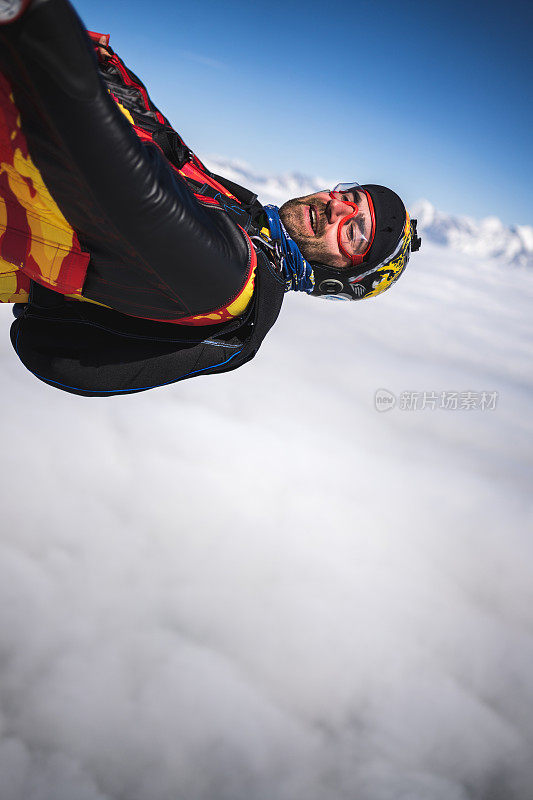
(355, 232)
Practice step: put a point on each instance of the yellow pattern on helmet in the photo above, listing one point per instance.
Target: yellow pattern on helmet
(390, 270)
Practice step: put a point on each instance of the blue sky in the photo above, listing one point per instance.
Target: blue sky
(432, 100)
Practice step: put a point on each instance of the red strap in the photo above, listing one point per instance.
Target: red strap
(191, 171)
(97, 37)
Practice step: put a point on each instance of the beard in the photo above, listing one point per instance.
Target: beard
(295, 217)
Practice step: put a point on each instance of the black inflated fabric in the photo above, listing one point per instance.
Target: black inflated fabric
(147, 233)
(91, 351)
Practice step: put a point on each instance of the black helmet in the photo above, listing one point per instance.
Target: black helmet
(394, 239)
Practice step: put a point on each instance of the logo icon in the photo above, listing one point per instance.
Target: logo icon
(384, 400)
(330, 286)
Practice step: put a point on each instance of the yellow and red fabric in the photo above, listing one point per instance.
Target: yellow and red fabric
(37, 242)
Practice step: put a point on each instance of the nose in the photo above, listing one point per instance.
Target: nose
(337, 209)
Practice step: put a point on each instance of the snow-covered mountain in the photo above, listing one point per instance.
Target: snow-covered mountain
(269, 188)
(485, 238)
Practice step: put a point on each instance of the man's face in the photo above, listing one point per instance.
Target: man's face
(313, 221)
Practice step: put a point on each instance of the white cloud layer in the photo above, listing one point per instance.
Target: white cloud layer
(254, 586)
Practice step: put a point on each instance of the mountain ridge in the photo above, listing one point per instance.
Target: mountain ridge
(484, 238)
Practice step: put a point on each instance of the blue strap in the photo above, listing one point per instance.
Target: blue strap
(298, 272)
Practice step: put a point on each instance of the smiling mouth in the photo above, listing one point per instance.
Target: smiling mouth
(313, 218)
